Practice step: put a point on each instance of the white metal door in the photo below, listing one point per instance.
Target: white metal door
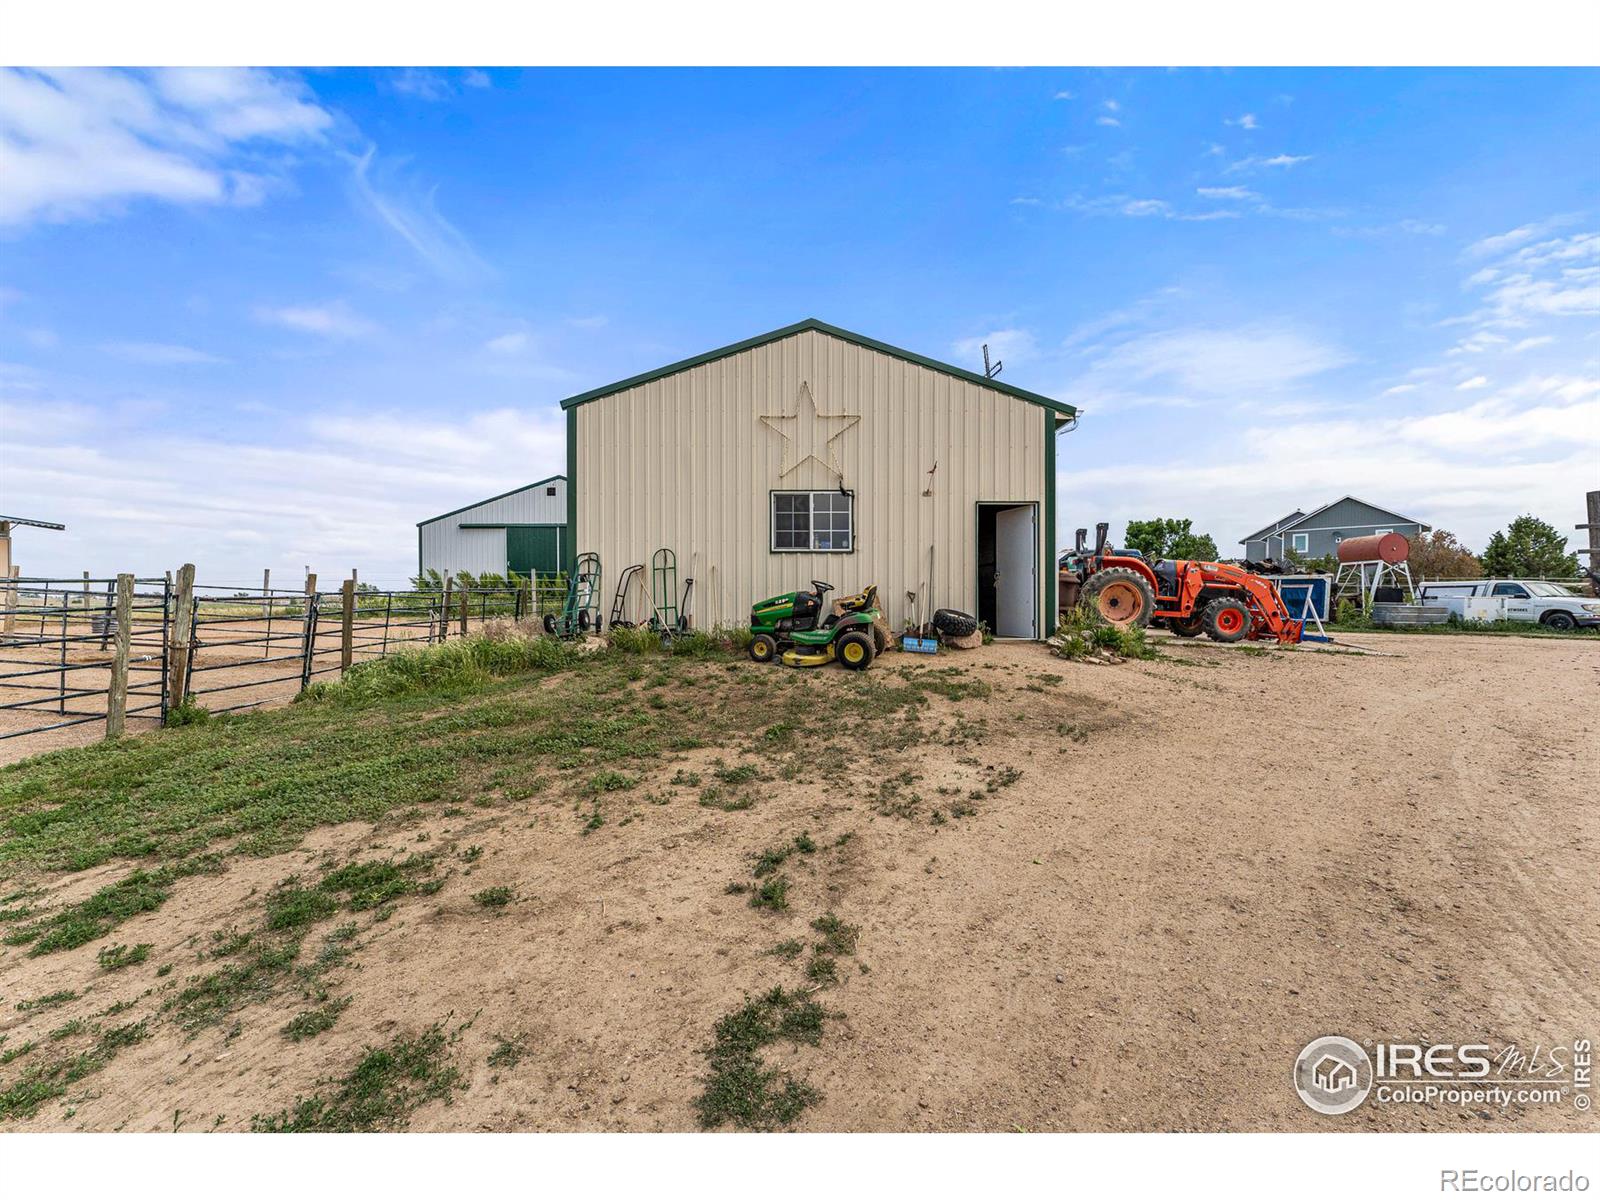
(1015, 588)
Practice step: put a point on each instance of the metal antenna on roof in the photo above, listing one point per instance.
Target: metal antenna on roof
(988, 371)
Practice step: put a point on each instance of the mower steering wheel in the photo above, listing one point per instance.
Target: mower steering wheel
(820, 588)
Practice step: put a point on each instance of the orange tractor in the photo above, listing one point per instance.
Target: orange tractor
(1224, 602)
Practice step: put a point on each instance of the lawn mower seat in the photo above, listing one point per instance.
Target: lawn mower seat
(860, 602)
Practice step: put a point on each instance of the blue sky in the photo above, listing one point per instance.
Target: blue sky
(257, 319)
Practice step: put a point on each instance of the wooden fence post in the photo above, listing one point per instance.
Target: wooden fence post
(311, 583)
(444, 611)
(465, 596)
(11, 596)
(182, 638)
(117, 694)
(347, 629)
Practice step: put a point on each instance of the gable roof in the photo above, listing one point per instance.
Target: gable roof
(1275, 527)
(811, 323)
(1297, 518)
(1388, 512)
(491, 499)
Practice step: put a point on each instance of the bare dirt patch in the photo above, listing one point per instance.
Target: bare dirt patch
(1096, 898)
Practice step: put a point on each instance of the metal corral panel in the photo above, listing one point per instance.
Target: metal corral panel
(685, 461)
(473, 538)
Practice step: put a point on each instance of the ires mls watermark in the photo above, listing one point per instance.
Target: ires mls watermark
(1335, 1075)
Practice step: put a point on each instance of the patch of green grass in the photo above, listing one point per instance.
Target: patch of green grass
(262, 967)
(837, 937)
(114, 958)
(16, 1052)
(610, 781)
(47, 1080)
(741, 1089)
(495, 897)
(786, 949)
(471, 854)
(53, 1000)
(734, 776)
(290, 906)
(138, 892)
(684, 778)
(381, 1092)
(371, 884)
(773, 894)
(716, 796)
(822, 969)
(507, 1052)
(314, 1021)
(71, 1029)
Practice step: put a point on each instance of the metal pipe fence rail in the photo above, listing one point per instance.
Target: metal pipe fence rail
(71, 655)
(65, 661)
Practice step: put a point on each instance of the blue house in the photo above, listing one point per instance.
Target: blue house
(1319, 532)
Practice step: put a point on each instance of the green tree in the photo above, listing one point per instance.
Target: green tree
(1438, 555)
(1168, 537)
(1527, 547)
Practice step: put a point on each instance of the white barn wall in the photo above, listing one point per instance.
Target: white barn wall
(684, 461)
(444, 546)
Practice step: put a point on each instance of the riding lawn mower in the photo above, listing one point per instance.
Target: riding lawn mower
(791, 628)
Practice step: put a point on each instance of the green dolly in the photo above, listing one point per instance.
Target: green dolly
(791, 628)
(580, 613)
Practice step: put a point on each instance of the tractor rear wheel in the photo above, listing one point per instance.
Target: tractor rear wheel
(1187, 626)
(1119, 596)
(1226, 620)
(854, 651)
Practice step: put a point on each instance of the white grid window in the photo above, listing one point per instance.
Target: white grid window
(813, 521)
(1301, 542)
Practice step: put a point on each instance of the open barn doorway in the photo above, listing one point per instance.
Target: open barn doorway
(1008, 568)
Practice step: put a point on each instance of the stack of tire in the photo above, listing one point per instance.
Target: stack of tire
(1409, 616)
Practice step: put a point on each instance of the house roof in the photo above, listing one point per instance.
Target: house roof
(1274, 527)
(811, 323)
(1297, 518)
(492, 499)
(30, 521)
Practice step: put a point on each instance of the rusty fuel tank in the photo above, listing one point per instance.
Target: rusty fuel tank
(1384, 547)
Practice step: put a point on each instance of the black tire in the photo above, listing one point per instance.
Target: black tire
(854, 650)
(583, 620)
(763, 648)
(1119, 596)
(1226, 620)
(952, 622)
(550, 624)
(1558, 619)
(1186, 626)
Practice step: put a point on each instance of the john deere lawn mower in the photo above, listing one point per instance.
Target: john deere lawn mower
(793, 629)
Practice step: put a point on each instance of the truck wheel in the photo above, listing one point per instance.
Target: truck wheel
(1119, 596)
(854, 651)
(1559, 620)
(763, 648)
(1226, 620)
(1186, 626)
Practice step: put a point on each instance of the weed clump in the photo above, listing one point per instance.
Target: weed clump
(114, 958)
(385, 1087)
(741, 1088)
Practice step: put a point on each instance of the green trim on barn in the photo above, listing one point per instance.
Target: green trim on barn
(699, 360)
(1051, 547)
(477, 503)
(572, 485)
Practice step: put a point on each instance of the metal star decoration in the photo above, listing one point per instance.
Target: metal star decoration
(810, 434)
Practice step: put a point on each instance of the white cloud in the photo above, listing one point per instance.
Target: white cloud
(413, 215)
(1474, 384)
(159, 354)
(326, 320)
(1227, 193)
(1246, 121)
(1184, 366)
(593, 321)
(1502, 242)
(1548, 279)
(1146, 208)
(509, 343)
(1111, 106)
(421, 83)
(1109, 121)
(1013, 345)
(1026, 200)
(1276, 160)
(472, 77)
(1065, 96)
(1529, 343)
(83, 143)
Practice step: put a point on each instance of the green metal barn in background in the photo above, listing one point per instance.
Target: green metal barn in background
(521, 530)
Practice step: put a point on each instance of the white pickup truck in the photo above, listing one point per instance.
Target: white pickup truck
(1512, 600)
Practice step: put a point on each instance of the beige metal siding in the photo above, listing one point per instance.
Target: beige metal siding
(685, 462)
(445, 546)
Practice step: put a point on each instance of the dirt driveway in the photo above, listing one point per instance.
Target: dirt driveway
(1204, 863)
